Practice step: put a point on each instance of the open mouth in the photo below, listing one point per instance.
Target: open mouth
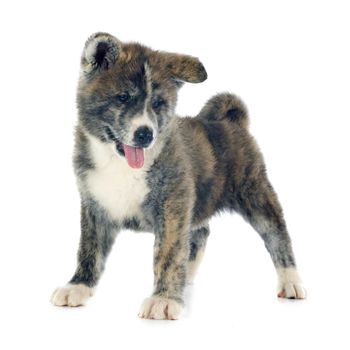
(135, 156)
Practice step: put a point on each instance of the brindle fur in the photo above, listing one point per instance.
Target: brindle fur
(206, 164)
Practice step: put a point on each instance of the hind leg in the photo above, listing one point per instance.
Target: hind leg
(259, 205)
(198, 242)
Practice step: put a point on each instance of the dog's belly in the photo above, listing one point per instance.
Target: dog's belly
(116, 186)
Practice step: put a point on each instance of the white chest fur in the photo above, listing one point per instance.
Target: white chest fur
(116, 186)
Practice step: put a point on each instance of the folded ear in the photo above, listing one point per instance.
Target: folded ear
(184, 68)
(101, 51)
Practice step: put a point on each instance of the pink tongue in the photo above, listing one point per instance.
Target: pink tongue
(134, 156)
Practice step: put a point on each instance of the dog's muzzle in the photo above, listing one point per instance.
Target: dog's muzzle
(135, 155)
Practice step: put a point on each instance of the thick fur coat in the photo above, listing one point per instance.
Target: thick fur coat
(140, 166)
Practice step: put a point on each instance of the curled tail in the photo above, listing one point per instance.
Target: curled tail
(225, 106)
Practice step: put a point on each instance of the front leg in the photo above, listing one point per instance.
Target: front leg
(97, 236)
(171, 253)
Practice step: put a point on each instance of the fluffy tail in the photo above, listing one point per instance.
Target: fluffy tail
(225, 106)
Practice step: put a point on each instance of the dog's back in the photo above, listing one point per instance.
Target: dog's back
(223, 155)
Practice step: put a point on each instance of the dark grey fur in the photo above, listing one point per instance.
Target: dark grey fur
(98, 233)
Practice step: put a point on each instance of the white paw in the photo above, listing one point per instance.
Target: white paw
(289, 284)
(159, 308)
(71, 295)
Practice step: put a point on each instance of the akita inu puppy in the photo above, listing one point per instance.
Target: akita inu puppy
(140, 167)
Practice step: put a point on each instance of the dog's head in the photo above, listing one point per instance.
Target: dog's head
(127, 92)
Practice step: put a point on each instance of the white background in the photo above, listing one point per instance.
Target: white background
(290, 62)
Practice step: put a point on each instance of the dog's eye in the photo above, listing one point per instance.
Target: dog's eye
(157, 103)
(124, 97)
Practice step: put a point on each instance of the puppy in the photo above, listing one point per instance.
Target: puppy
(140, 167)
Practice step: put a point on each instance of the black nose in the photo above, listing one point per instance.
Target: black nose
(143, 136)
